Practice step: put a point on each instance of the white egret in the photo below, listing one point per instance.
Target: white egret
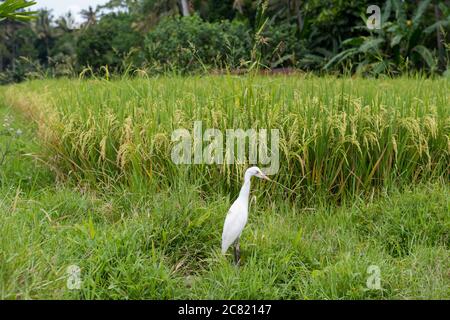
(237, 215)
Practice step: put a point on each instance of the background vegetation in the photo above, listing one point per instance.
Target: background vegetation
(152, 35)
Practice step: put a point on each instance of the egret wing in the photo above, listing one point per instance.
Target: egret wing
(234, 224)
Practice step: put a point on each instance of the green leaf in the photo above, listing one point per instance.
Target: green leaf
(437, 26)
(13, 9)
(379, 67)
(386, 12)
(370, 44)
(446, 74)
(341, 57)
(399, 11)
(354, 42)
(423, 6)
(426, 55)
(281, 60)
(396, 40)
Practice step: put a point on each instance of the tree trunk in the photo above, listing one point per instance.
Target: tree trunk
(184, 8)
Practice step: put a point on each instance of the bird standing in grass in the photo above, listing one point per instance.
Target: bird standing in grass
(237, 215)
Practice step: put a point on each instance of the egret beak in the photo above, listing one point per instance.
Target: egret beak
(266, 177)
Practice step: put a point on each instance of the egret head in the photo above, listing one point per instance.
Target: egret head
(255, 171)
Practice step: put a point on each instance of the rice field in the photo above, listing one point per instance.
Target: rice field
(91, 183)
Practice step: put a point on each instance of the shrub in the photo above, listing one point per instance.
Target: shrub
(281, 47)
(108, 42)
(189, 44)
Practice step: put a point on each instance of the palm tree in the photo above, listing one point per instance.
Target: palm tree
(44, 31)
(89, 16)
(66, 23)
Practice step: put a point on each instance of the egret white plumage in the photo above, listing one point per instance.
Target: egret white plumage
(237, 215)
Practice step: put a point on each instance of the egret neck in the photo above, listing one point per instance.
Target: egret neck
(245, 190)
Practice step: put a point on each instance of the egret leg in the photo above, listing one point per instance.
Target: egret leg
(237, 252)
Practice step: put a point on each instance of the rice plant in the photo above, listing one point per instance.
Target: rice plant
(337, 136)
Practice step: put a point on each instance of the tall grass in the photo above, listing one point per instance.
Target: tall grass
(338, 136)
(166, 244)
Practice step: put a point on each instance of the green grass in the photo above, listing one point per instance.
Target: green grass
(61, 206)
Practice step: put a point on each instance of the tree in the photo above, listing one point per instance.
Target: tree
(89, 16)
(216, 10)
(66, 23)
(45, 34)
(148, 13)
(13, 10)
(107, 42)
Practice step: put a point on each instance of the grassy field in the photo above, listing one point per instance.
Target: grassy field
(89, 181)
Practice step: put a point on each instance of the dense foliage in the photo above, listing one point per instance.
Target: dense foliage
(108, 42)
(187, 44)
(314, 35)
